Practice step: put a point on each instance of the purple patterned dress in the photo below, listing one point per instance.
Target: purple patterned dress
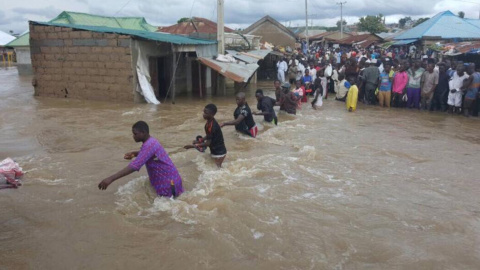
(160, 168)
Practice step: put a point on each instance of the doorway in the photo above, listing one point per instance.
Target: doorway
(160, 74)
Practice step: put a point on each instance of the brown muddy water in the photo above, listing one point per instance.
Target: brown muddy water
(328, 189)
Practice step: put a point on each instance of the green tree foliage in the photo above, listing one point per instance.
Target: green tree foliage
(184, 19)
(419, 21)
(461, 14)
(372, 24)
(338, 24)
(404, 21)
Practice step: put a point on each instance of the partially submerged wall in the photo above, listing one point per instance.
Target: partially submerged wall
(24, 63)
(78, 64)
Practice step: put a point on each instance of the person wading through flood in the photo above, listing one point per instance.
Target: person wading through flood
(352, 96)
(278, 90)
(265, 105)
(214, 136)
(243, 122)
(289, 101)
(163, 174)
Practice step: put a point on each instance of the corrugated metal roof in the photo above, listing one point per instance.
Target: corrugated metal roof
(461, 48)
(475, 22)
(194, 25)
(133, 23)
(21, 41)
(405, 41)
(162, 37)
(237, 72)
(5, 38)
(445, 25)
(76, 18)
(250, 57)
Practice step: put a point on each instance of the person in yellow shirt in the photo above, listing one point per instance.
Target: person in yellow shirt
(352, 96)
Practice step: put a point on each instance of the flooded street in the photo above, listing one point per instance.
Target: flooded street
(327, 189)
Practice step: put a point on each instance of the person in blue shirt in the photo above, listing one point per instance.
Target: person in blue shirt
(385, 86)
(307, 80)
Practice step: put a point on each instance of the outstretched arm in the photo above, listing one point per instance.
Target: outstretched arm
(234, 122)
(107, 181)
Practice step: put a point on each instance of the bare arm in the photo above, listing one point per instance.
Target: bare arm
(107, 181)
(467, 82)
(234, 122)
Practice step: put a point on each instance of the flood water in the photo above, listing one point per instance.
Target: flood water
(327, 189)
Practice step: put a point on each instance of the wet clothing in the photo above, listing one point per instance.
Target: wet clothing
(413, 95)
(247, 123)
(160, 168)
(215, 136)
(384, 98)
(288, 103)
(266, 105)
(352, 98)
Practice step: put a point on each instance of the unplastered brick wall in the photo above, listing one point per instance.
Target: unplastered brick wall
(69, 63)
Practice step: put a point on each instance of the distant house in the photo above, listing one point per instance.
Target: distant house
(205, 29)
(301, 32)
(364, 41)
(443, 27)
(272, 31)
(193, 25)
(329, 38)
(21, 45)
(5, 53)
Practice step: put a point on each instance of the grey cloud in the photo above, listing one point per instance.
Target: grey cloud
(48, 12)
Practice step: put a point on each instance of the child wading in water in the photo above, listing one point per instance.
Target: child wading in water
(163, 175)
(214, 136)
(352, 96)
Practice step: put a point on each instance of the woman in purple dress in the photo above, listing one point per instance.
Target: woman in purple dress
(163, 174)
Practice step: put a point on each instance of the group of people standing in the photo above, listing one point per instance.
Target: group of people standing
(381, 78)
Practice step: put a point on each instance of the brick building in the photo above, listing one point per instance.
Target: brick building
(113, 64)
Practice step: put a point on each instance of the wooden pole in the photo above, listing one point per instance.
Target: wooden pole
(174, 88)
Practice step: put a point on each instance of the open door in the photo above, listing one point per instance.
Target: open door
(199, 81)
(160, 73)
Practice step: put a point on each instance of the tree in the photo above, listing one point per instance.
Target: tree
(461, 14)
(184, 19)
(421, 20)
(372, 24)
(344, 24)
(404, 21)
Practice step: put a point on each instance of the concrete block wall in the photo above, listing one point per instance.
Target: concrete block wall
(69, 63)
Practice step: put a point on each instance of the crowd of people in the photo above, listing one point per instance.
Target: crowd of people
(390, 78)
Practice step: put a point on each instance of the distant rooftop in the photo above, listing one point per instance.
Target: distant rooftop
(193, 25)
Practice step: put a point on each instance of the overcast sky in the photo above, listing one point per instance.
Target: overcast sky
(14, 15)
